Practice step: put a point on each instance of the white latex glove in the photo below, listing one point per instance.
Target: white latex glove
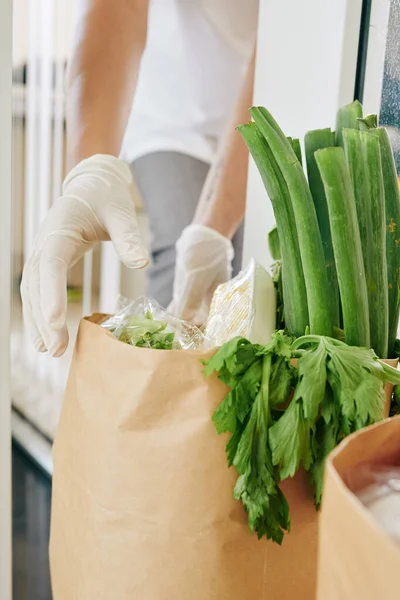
(203, 261)
(96, 205)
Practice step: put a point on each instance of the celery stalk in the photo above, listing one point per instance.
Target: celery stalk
(313, 141)
(347, 118)
(346, 244)
(311, 250)
(274, 245)
(368, 122)
(294, 290)
(364, 160)
(295, 143)
(392, 210)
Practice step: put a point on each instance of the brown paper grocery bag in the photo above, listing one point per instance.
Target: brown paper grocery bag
(142, 496)
(357, 560)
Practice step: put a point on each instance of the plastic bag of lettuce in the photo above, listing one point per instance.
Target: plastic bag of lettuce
(145, 324)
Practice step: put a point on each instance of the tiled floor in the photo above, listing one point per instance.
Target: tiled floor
(31, 515)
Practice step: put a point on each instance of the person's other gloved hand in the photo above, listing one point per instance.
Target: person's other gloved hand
(96, 205)
(203, 261)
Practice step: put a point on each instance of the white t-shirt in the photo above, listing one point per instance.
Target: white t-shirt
(192, 69)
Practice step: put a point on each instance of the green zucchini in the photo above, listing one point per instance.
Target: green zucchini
(313, 141)
(346, 244)
(294, 290)
(311, 250)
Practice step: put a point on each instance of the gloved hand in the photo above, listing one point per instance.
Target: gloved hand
(203, 261)
(96, 205)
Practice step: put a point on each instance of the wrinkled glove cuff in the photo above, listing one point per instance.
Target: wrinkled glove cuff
(197, 234)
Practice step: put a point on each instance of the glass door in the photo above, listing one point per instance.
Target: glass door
(380, 91)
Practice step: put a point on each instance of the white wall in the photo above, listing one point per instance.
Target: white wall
(305, 70)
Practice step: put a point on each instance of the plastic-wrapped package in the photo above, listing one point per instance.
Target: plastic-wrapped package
(144, 323)
(244, 306)
(380, 494)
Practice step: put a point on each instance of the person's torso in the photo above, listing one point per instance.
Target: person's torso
(192, 69)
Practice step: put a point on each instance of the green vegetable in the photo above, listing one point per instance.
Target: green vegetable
(145, 332)
(368, 122)
(377, 282)
(257, 485)
(274, 245)
(313, 141)
(251, 371)
(290, 437)
(276, 269)
(295, 143)
(326, 437)
(364, 160)
(346, 244)
(294, 290)
(311, 250)
(282, 418)
(392, 210)
(395, 407)
(338, 389)
(347, 118)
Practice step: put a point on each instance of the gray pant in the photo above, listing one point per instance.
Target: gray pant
(170, 184)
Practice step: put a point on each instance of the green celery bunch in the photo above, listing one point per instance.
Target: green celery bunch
(337, 389)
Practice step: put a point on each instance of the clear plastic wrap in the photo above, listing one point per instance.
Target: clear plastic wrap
(379, 491)
(244, 306)
(144, 323)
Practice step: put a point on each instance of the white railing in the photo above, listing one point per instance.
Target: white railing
(42, 38)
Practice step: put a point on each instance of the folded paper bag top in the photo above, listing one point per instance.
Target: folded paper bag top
(357, 559)
(142, 497)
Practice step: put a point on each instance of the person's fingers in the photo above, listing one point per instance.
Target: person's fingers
(53, 302)
(34, 297)
(29, 318)
(190, 292)
(54, 262)
(58, 254)
(121, 224)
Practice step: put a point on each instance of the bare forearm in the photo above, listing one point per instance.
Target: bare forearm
(102, 75)
(223, 202)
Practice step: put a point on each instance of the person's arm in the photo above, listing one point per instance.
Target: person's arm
(204, 250)
(223, 200)
(102, 75)
(96, 202)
